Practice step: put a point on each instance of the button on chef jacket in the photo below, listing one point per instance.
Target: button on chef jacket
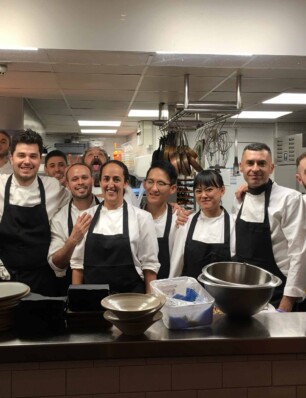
(142, 235)
(286, 213)
(23, 197)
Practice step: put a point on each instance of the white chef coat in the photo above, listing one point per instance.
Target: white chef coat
(142, 235)
(207, 230)
(286, 213)
(6, 168)
(28, 196)
(129, 195)
(60, 233)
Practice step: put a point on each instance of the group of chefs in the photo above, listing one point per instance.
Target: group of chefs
(54, 231)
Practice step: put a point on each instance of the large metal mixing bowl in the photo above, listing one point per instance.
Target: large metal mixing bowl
(236, 273)
(240, 301)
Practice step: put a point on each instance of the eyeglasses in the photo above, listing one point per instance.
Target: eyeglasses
(160, 184)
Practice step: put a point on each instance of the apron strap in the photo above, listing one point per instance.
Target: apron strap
(168, 222)
(192, 226)
(40, 186)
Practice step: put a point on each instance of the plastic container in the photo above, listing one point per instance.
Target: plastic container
(179, 313)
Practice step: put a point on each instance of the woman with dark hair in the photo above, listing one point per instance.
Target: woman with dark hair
(209, 235)
(120, 247)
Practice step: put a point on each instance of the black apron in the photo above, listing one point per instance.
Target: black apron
(25, 238)
(108, 258)
(254, 245)
(198, 254)
(163, 246)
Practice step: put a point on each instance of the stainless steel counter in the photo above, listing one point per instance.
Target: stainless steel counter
(265, 333)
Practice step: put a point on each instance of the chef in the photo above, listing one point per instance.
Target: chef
(270, 227)
(95, 157)
(120, 247)
(160, 183)
(71, 222)
(5, 164)
(27, 202)
(209, 235)
(301, 170)
(55, 165)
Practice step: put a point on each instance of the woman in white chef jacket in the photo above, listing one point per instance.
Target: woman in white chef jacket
(209, 235)
(120, 247)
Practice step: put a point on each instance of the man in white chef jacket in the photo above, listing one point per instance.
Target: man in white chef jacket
(270, 227)
(160, 183)
(301, 171)
(27, 202)
(5, 164)
(71, 222)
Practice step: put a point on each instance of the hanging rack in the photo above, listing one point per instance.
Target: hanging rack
(223, 110)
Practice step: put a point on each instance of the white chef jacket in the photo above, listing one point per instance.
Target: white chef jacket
(142, 235)
(207, 230)
(286, 213)
(6, 168)
(28, 196)
(60, 233)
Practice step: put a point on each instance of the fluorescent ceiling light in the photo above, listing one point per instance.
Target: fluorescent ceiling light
(259, 115)
(287, 98)
(96, 123)
(147, 113)
(98, 131)
(18, 48)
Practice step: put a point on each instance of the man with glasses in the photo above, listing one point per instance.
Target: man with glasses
(160, 183)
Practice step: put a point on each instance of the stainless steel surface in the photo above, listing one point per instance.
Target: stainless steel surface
(237, 273)
(264, 333)
(238, 300)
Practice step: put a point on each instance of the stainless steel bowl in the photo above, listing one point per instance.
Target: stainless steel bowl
(240, 300)
(237, 274)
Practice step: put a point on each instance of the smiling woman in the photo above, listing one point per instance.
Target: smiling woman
(120, 248)
(209, 235)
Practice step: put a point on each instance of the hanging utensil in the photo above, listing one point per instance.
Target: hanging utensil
(236, 163)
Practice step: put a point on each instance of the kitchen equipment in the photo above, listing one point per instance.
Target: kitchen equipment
(236, 163)
(240, 301)
(188, 305)
(131, 305)
(236, 273)
(132, 327)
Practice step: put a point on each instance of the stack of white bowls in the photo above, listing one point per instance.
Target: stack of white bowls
(10, 295)
(133, 313)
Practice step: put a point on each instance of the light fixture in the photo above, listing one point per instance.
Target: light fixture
(259, 115)
(98, 131)
(10, 48)
(188, 53)
(147, 113)
(96, 123)
(287, 98)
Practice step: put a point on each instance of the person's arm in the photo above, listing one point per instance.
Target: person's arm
(292, 230)
(240, 192)
(182, 216)
(77, 276)
(61, 258)
(287, 303)
(148, 277)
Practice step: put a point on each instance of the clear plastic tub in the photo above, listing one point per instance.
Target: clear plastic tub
(179, 313)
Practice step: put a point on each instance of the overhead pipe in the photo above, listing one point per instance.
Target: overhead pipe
(226, 105)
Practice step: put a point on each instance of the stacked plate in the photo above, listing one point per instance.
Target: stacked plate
(133, 313)
(10, 295)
